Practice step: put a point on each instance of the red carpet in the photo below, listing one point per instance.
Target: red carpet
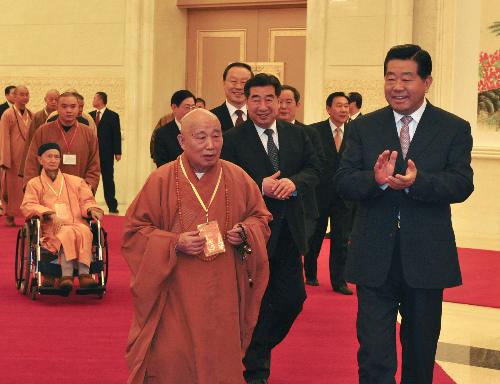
(481, 279)
(82, 339)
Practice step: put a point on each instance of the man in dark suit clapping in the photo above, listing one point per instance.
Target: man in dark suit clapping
(110, 145)
(280, 158)
(404, 165)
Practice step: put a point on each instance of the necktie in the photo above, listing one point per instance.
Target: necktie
(239, 119)
(404, 135)
(272, 149)
(97, 118)
(338, 138)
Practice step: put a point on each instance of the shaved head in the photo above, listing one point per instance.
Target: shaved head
(51, 98)
(197, 117)
(22, 96)
(21, 88)
(201, 139)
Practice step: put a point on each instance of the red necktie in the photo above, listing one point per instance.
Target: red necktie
(239, 119)
(97, 118)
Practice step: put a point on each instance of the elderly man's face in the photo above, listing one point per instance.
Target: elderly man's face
(50, 160)
(201, 141)
(51, 101)
(22, 96)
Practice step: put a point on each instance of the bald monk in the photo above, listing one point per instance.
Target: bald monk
(63, 202)
(39, 119)
(195, 304)
(80, 149)
(14, 127)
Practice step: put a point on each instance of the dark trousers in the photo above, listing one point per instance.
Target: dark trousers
(339, 216)
(420, 311)
(108, 183)
(281, 304)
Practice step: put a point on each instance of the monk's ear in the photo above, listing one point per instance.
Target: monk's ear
(180, 139)
(39, 159)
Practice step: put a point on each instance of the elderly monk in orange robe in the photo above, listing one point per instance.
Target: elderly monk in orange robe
(78, 142)
(14, 127)
(63, 202)
(195, 304)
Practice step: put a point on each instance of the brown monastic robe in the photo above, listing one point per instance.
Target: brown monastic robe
(193, 319)
(84, 145)
(14, 128)
(75, 236)
(39, 119)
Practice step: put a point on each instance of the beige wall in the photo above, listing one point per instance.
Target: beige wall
(132, 49)
(346, 45)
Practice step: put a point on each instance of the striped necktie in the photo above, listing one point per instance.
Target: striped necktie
(404, 135)
(272, 149)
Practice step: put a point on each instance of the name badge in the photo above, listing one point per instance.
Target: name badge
(69, 159)
(214, 241)
(61, 210)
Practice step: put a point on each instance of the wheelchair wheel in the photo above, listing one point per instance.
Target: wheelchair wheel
(27, 254)
(19, 267)
(105, 260)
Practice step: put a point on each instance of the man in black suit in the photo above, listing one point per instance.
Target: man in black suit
(355, 103)
(233, 111)
(331, 207)
(166, 147)
(280, 158)
(289, 100)
(110, 145)
(404, 165)
(10, 95)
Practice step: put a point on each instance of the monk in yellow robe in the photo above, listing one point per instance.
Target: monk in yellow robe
(63, 202)
(196, 298)
(14, 127)
(79, 145)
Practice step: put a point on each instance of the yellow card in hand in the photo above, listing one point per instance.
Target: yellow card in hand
(215, 242)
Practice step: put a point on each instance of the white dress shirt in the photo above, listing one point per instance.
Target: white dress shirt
(263, 137)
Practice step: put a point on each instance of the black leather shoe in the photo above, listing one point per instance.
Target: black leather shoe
(114, 211)
(257, 381)
(343, 289)
(313, 282)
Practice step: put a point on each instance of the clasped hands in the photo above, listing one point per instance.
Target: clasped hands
(277, 188)
(384, 171)
(191, 243)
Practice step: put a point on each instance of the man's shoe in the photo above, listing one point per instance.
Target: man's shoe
(9, 221)
(86, 281)
(48, 282)
(114, 211)
(66, 283)
(313, 282)
(343, 289)
(257, 381)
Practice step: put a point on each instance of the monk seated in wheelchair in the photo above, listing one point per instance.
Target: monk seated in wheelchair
(63, 203)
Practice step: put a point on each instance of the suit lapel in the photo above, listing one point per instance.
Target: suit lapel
(424, 134)
(253, 140)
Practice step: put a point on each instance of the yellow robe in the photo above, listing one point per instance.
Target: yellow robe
(41, 197)
(14, 128)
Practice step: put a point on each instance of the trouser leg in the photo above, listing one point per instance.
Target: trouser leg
(108, 183)
(338, 245)
(280, 306)
(315, 242)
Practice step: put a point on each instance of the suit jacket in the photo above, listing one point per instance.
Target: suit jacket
(298, 162)
(325, 191)
(166, 145)
(224, 117)
(3, 108)
(309, 200)
(109, 135)
(441, 149)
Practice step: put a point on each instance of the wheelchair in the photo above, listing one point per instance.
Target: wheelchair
(33, 261)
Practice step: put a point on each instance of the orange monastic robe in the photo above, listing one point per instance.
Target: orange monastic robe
(14, 128)
(83, 143)
(193, 319)
(73, 193)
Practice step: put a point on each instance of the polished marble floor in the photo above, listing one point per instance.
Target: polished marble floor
(469, 345)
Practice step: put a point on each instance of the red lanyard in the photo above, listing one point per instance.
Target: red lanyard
(68, 146)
